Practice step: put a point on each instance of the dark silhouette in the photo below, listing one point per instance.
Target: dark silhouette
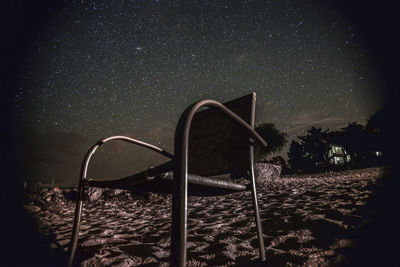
(312, 148)
(352, 137)
(279, 160)
(378, 131)
(275, 139)
(366, 145)
(315, 143)
(297, 159)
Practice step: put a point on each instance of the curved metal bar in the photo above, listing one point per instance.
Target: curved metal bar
(260, 237)
(82, 179)
(257, 219)
(181, 150)
(139, 143)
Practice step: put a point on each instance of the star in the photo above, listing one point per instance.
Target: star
(98, 69)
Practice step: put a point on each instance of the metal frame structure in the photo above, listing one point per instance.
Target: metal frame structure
(83, 182)
(180, 178)
(179, 208)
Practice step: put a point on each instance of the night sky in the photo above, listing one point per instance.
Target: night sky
(91, 69)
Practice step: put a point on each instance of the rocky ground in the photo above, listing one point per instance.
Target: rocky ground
(308, 220)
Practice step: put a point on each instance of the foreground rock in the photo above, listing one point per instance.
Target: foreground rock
(266, 172)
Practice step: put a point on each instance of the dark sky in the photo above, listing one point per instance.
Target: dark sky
(86, 70)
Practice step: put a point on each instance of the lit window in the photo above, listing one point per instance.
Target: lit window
(338, 160)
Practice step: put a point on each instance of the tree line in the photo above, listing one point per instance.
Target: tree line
(366, 144)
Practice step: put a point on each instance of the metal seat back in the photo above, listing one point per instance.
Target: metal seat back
(217, 145)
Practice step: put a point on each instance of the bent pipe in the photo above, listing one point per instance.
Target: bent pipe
(82, 181)
(180, 183)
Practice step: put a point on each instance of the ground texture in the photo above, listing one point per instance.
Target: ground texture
(308, 220)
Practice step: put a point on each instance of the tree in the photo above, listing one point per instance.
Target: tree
(275, 139)
(379, 121)
(298, 159)
(315, 143)
(352, 137)
(360, 141)
(378, 130)
(310, 150)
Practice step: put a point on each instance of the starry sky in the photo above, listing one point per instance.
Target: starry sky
(91, 69)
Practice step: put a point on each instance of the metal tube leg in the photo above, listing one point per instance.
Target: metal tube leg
(258, 223)
(256, 210)
(179, 221)
(180, 183)
(183, 233)
(77, 223)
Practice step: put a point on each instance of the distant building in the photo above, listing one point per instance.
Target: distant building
(337, 155)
